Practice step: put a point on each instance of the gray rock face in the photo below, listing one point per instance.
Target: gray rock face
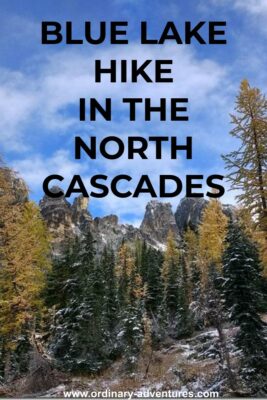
(108, 231)
(230, 211)
(189, 213)
(65, 221)
(158, 221)
(81, 217)
(58, 214)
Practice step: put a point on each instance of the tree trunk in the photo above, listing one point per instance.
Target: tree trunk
(260, 175)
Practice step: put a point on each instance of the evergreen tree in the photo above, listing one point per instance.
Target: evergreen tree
(191, 253)
(130, 296)
(247, 222)
(140, 256)
(150, 270)
(55, 291)
(171, 272)
(79, 341)
(185, 322)
(175, 290)
(242, 276)
(133, 333)
(123, 270)
(214, 313)
(109, 304)
(195, 294)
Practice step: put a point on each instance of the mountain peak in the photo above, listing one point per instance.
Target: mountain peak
(159, 220)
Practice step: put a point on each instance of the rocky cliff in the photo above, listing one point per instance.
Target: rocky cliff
(158, 221)
(65, 221)
(189, 213)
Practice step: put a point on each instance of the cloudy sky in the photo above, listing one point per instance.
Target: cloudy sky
(40, 87)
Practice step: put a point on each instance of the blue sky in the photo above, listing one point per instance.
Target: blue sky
(40, 87)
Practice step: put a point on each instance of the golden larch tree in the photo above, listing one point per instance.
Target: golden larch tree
(212, 233)
(24, 250)
(248, 164)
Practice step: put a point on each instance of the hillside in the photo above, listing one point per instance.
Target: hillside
(91, 304)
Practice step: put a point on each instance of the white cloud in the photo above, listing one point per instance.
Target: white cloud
(256, 11)
(17, 103)
(36, 168)
(41, 96)
(257, 7)
(44, 93)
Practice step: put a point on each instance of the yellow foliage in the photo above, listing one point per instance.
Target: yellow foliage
(212, 233)
(24, 253)
(126, 261)
(171, 257)
(138, 288)
(247, 165)
(191, 245)
(126, 270)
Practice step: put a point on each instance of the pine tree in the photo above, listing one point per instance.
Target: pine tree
(109, 305)
(55, 291)
(133, 333)
(215, 315)
(242, 275)
(171, 272)
(150, 270)
(247, 164)
(191, 253)
(130, 297)
(175, 290)
(110, 291)
(191, 250)
(79, 340)
(185, 323)
(248, 224)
